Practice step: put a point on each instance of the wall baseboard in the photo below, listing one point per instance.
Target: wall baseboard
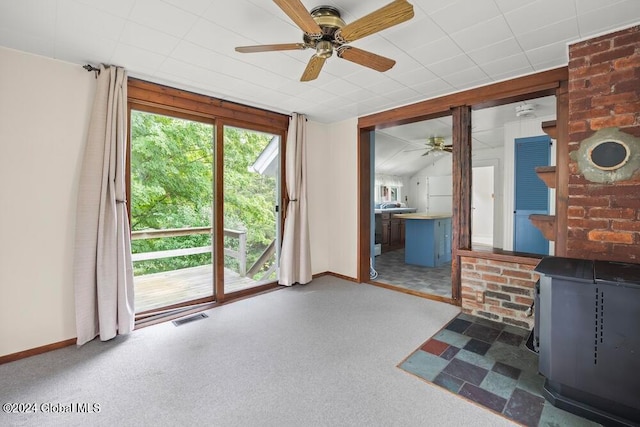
(339, 276)
(38, 350)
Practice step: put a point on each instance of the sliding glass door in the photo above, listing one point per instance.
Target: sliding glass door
(171, 186)
(251, 191)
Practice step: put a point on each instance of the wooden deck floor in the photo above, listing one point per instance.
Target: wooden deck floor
(172, 287)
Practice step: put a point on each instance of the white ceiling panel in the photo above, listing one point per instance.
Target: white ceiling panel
(446, 47)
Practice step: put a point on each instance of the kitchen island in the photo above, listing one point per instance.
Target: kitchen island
(427, 239)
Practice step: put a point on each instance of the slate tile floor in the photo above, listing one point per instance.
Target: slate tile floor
(392, 270)
(488, 363)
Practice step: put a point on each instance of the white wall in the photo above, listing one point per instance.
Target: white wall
(332, 162)
(44, 109)
(318, 195)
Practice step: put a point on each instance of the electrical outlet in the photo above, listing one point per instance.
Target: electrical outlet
(479, 296)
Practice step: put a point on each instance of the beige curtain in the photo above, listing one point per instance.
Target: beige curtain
(103, 273)
(295, 257)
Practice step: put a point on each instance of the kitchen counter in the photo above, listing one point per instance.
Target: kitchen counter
(421, 216)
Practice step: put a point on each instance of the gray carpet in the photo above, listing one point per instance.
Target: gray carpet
(324, 354)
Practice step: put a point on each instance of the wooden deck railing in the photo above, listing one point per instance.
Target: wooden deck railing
(240, 254)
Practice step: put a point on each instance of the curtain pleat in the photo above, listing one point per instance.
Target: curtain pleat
(103, 272)
(295, 257)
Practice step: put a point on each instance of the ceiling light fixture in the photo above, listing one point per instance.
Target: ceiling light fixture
(525, 110)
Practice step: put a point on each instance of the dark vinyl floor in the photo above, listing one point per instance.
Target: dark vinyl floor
(392, 270)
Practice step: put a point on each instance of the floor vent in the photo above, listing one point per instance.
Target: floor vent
(184, 320)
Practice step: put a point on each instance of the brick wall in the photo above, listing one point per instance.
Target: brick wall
(604, 91)
(506, 288)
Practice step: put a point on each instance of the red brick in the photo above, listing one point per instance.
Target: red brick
(527, 267)
(522, 282)
(610, 236)
(466, 295)
(588, 201)
(471, 304)
(469, 289)
(627, 39)
(612, 213)
(611, 100)
(467, 266)
(626, 225)
(626, 202)
(501, 263)
(488, 268)
(612, 55)
(466, 274)
(631, 107)
(470, 282)
(469, 260)
(579, 104)
(585, 249)
(578, 126)
(575, 212)
(586, 49)
(629, 62)
(626, 253)
(524, 300)
(493, 287)
(578, 62)
(588, 223)
(591, 70)
(516, 273)
(491, 301)
(625, 86)
(503, 311)
(494, 278)
(613, 121)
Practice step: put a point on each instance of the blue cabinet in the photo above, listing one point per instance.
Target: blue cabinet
(427, 240)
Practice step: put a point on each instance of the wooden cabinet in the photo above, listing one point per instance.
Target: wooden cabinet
(391, 232)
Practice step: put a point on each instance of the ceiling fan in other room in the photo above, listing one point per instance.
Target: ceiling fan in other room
(325, 31)
(435, 144)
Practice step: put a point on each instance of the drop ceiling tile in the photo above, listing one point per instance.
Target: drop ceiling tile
(556, 32)
(622, 14)
(451, 20)
(32, 17)
(82, 50)
(197, 7)
(549, 53)
(547, 65)
(26, 42)
(483, 34)
(163, 17)
(506, 75)
(467, 78)
(585, 6)
(418, 32)
(213, 37)
(506, 65)
(451, 66)
(120, 8)
(435, 51)
(496, 51)
(537, 14)
(509, 5)
(429, 6)
(147, 38)
(428, 89)
(136, 58)
(420, 75)
(81, 21)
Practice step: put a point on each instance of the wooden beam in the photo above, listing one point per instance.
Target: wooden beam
(364, 205)
(462, 181)
(562, 168)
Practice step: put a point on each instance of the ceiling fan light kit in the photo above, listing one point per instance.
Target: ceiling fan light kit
(325, 31)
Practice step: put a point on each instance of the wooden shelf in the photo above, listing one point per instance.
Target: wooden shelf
(546, 224)
(548, 175)
(550, 129)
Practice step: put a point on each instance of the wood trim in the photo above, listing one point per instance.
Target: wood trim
(500, 255)
(520, 88)
(364, 205)
(562, 168)
(337, 275)
(38, 350)
(415, 293)
(462, 180)
(218, 214)
(178, 100)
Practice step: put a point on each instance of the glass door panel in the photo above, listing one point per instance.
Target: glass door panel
(251, 218)
(171, 210)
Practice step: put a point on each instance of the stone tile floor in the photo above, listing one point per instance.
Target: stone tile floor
(392, 270)
(488, 363)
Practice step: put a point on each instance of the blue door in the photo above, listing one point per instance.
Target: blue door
(531, 193)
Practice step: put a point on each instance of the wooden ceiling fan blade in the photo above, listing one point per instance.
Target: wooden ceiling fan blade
(296, 11)
(313, 69)
(387, 16)
(368, 59)
(271, 47)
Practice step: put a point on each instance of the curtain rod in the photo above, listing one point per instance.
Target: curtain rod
(90, 68)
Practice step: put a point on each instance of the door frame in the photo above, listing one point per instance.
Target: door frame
(551, 82)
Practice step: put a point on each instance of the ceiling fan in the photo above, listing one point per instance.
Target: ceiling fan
(325, 31)
(434, 144)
